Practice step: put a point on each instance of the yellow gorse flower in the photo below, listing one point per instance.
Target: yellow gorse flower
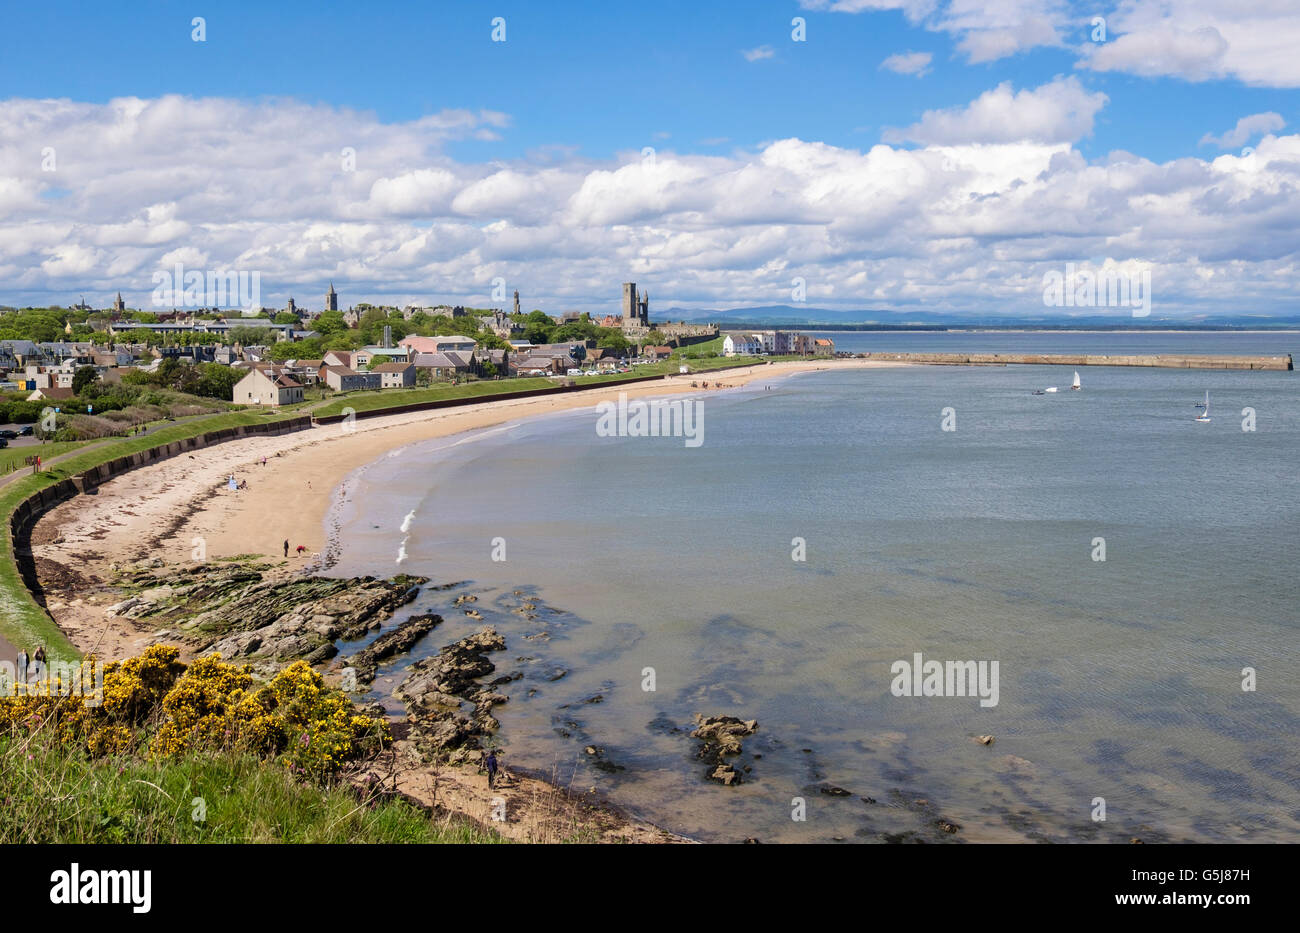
(156, 702)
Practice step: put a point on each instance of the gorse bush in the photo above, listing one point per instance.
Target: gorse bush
(155, 705)
(199, 753)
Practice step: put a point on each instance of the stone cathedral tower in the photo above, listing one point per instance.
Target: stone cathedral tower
(636, 309)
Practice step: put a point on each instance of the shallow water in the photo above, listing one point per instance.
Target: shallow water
(1119, 679)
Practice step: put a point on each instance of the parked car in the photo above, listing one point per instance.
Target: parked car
(6, 433)
(26, 432)
(3, 442)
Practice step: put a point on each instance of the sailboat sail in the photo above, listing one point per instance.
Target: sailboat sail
(1075, 385)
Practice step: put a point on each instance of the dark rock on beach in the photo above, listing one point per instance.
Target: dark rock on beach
(722, 737)
(236, 610)
(436, 688)
(830, 790)
(397, 641)
(723, 733)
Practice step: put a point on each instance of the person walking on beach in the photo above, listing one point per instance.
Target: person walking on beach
(490, 762)
(286, 547)
(21, 667)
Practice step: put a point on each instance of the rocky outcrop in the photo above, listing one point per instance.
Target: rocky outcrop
(236, 610)
(438, 686)
(721, 737)
(397, 641)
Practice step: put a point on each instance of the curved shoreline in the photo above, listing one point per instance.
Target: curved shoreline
(180, 510)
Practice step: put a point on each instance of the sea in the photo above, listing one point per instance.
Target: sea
(1130, 571)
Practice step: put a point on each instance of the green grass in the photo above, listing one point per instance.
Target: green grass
(22, 621)
(391, 398)
(721, 362)
(705, 346)
(58, 795)
(11, 455)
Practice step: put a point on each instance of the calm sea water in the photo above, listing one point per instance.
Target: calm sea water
(1119, 679)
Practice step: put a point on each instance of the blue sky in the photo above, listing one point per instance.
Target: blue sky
(599, 76)
(585, 86)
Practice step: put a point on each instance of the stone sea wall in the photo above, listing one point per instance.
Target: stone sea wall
(27, 512)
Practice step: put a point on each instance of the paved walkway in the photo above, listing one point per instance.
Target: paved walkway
(105, 442)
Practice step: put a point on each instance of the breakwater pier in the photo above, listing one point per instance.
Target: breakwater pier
(1163, 360)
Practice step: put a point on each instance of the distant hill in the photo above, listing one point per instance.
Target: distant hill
(791, 316)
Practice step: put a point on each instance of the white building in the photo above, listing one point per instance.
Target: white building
(741, 345)
(267, 385)
(396, 375)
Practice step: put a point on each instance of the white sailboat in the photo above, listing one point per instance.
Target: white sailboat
(1205, 414)
(1076, 385)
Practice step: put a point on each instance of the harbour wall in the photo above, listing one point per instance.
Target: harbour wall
(1164, 361)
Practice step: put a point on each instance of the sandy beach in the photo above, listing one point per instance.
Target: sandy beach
(180, 510)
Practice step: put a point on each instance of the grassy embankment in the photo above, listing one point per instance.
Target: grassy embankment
(22, 621)
(391, 398)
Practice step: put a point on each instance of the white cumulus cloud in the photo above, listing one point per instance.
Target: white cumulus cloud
(1060, 111)
(1246, 129)
(908, 63)
(993, 195)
